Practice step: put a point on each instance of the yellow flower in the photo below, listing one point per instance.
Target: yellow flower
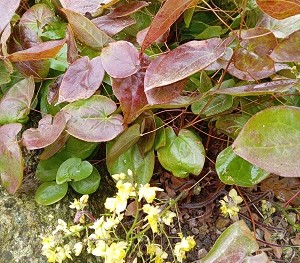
(100, 249)
(75, 229)
(100, 231)
(78, 248)
(148, 192)
(125, 190)
(79, 204)
(115, 204)
(154, 250)
(50, 255)
(120, 176)
(168, 217)
(61, 226)
(152, 217)
(48, 242)
(116, 252)
(185, 245)
(62, 253)
(229, 204)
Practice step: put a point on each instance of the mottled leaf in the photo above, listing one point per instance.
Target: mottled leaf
(23, 38)
(279, 9)
(40, 51)
(15, 104)
(48, 131)
(92, 119)
(81, 79)
(73, 169)
(11, 161)
(270, 140)
(261, 88)
(123, 142)
(182, 62)
(182, 154)
(234, 244)
(132, 159)
(127, 9)
(260, 258)
(130, 92)
(234, 170)
(3, 40)
(4, 74)
(280, 28)
(120, 59)
(288, 49)
(7, 10)
(49, 193)
(85, 31)
(36, 17)
(166, 16)
(112, 26)
(165, 94)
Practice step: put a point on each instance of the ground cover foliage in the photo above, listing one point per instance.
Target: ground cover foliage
(170, 89)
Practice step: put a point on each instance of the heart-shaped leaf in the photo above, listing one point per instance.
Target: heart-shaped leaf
(270, 140)
(234, 244)
(88, 185)
(73, 169)
(11, 161)
(7, 10)
(166, 16)
(120, 59)
(36, 17)
(92, 119)
(288, 49)
(182, 62)
(233, 169)
(49, 193)
(23, 38)
(130, 92)
(182, 154)
(15, 104)
(85, 31)
(82, 6)
(40, 51)
(279, 9)
(48, 131)
(132, 159)
(81, 80)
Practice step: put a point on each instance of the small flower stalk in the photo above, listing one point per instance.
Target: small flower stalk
(101, 237)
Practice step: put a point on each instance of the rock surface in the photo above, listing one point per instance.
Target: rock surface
(22, 221)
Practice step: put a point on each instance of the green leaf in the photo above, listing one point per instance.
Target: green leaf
(210, 32)
(88, 185)
(132, 159)
(92, 119)
(49, 193)
(73, 169)
(47, 169)
(233, 169)
(80, 149)
(234, 244)
(15, 104)
(123, 142)
(4, 74)
(183, 154)
(160, 135)
(270, 140)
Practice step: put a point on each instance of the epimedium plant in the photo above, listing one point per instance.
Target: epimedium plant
(139, 77)
(108, 73)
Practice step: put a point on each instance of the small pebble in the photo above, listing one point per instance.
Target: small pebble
(202, 253)
(195, 231)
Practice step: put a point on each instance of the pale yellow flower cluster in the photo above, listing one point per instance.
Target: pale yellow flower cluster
(229, 204)
(185, 245)
(104, 241)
